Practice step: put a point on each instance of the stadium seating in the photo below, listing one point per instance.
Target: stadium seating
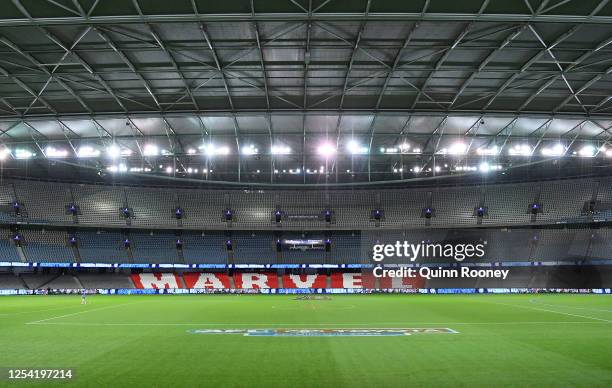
(154, 247)
(42, 245)
(8, 251)
(105, 280)
(45, 224)
(101, 246)
(204, 247)
(454, 206)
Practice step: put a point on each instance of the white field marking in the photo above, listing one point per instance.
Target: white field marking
(35, 311)
(77, 313)
(547, 310)
(281, 307)
(309, 325)
(535, 301)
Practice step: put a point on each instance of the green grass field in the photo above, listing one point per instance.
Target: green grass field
(502, 340)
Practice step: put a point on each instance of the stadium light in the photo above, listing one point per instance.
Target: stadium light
(491, 151)
(326, 150)
(389, 150)
(191, 151)
(484, 167)
(4, 153)
(556, 150)
(214, 150)
(250, 150)
(21, 153)
(280, 150)
(52, 152)
(356, 149)
(404, 147)
(588, 151)
(458, 148)
(88, 152)
(520, 150)
(114, 151)
(150, 150)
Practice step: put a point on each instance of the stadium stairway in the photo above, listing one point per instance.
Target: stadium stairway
(77, 254)
(21, 254)
(22, 282)
(77, 281)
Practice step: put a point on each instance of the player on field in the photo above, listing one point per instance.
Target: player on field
(84, 296)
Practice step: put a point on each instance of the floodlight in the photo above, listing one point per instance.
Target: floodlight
(326, 149)
(491, 151)
(280, 150)
(356, 149)
(88, 152)
(52, 152)
(250, 150)
(458, 148)
(556, 150)
(150, 150)
(21, 153)
(4, 153)
(520, 150)
(213, 150)
(114, 151)
(588, 151)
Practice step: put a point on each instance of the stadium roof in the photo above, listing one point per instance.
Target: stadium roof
(360, 77)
